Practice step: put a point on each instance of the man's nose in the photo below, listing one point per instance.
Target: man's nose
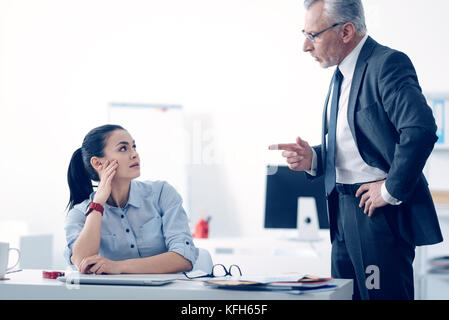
(307, 46)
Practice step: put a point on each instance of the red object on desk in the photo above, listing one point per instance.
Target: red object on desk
(202, 229)
(52, 274)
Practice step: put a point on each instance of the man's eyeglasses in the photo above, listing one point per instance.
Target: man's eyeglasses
(219, 270)
(312, 36)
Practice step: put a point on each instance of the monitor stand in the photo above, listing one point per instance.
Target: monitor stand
(308, 224)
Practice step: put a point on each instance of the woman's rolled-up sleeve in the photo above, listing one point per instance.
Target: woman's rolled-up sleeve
(175, 224)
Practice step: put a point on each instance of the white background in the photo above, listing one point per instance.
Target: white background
(236, 67)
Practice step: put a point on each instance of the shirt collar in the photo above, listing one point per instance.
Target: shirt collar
(134, 199)
(347, 66)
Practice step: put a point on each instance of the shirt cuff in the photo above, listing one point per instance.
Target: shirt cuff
(186, 249)
(313, 167)
(387, 196)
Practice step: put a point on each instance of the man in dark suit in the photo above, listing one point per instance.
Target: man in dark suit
(378, 132)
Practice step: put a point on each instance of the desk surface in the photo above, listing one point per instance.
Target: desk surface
(29, 285)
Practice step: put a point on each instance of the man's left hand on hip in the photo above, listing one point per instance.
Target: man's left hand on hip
(371, 197)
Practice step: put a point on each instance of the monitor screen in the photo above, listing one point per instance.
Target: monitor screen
(284, 187)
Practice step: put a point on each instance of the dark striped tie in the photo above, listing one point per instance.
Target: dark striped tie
(330, 175)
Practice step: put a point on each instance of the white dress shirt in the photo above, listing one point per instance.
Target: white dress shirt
(349, 166)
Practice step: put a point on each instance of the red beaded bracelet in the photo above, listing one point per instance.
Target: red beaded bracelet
(95, 206)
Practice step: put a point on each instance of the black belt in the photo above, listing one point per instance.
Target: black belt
(350, 189)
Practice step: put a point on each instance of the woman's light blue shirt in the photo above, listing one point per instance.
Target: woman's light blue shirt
(152, 222)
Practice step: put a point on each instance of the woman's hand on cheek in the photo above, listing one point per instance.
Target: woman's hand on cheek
(106, 172)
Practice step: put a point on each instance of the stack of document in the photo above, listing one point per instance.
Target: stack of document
(291, 282)
(439, 265)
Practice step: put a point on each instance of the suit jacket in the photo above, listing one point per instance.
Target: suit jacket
(394, 130)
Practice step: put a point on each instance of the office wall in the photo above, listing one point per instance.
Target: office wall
(236, 66)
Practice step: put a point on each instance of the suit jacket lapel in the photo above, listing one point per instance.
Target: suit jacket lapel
(362, 63)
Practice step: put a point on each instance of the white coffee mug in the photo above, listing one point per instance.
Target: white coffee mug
(4, 257)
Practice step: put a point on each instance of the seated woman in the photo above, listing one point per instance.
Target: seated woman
(126, 226)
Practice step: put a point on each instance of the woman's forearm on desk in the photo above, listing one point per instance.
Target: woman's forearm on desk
(88, 242)
(168, 262)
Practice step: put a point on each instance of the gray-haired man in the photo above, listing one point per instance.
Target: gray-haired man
(377, 135)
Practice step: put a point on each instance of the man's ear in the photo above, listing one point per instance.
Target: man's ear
(348, 32)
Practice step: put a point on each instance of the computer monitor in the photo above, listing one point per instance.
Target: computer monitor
(284, 188)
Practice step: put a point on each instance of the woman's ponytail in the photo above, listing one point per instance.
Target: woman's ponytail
(79, 181)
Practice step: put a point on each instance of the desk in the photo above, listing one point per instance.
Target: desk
(29, 285)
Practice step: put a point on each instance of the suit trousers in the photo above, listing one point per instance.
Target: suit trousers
(370, 251)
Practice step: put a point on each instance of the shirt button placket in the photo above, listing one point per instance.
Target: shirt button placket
(129, 234)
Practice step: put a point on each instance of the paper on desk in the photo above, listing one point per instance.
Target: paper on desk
(290, 287)
(271, 279)
(199, 275)
(292, 280)
(283, 280)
